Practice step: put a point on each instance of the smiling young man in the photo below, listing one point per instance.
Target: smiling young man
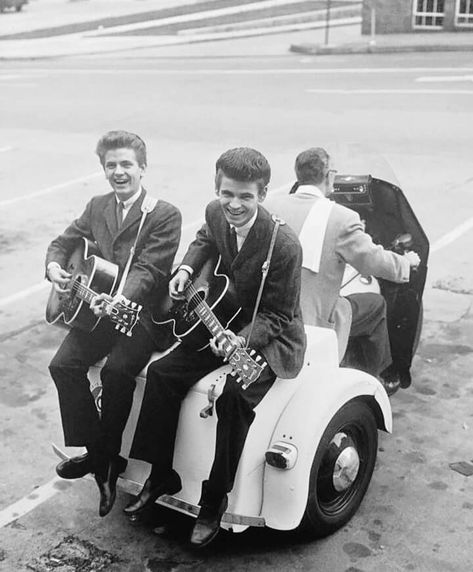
(241, 180)
(111, 221)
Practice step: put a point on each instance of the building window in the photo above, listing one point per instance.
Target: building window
(464, 13)
(428, 14)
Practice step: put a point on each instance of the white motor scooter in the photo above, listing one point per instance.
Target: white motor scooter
(311, 450)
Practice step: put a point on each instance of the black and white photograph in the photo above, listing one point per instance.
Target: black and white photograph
(236, 306)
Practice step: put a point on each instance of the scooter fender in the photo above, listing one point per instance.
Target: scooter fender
(323, 390)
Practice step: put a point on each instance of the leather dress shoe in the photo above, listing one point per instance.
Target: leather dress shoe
(107, 483)
(207, 524)
(150, 492)
(75, 467)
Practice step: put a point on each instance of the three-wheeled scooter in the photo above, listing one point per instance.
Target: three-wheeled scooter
(311, 450)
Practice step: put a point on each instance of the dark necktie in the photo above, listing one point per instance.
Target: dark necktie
(233, 242)
(120, 207)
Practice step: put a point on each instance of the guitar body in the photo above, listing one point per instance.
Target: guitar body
(86, 268)
(215, 288)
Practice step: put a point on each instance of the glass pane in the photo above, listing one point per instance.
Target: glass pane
(430, 6)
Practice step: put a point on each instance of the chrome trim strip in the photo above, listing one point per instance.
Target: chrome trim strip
(193, 510)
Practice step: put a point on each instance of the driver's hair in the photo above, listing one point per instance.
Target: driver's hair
(312, 166)
(245, 165)
(119, 140)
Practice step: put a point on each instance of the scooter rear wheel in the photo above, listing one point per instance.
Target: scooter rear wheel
(341, 470)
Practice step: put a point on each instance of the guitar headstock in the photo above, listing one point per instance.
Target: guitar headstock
(125, 314)
(247, 366)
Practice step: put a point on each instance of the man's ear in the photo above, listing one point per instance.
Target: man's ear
(143, 169)
(262, 194)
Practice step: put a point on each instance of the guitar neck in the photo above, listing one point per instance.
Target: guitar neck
(210, 321)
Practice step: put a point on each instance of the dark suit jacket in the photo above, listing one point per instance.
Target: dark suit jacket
(155, 250)
(278, 332)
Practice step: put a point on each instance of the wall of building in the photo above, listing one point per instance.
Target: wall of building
(392, 16)
(395, 17)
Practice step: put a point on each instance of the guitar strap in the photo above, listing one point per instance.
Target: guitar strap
(147, 206)
(265, 269)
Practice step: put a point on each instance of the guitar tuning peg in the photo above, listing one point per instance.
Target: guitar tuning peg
(128, 334)
(264, 364)
(133, 304)
(123, 330)
(252, 352)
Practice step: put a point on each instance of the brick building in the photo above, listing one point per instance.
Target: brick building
(400, 16)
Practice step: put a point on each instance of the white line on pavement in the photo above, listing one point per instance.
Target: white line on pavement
(447, 78)
(48, 190)
(391, 91)
(238, 71)
(24, 293)
(5, 149)
(451, 236)
(28, 503)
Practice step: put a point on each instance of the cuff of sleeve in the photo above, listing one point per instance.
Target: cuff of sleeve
(51, 265)
(187, 269)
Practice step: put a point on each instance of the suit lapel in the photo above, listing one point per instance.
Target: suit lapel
(111, 215)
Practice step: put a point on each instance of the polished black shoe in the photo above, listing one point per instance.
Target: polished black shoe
(390, 380)
(107, 482)
(75, 467)
(207, 524)
(150, 492)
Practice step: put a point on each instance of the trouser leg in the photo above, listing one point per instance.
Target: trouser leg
(127, 358)
(68, 368)
(235, 411)
(369, 326)
(167, 383)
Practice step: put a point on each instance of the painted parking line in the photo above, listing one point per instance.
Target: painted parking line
(451, 236)
(30, 502)
(5, 149)
(49, 190)
(391, 91)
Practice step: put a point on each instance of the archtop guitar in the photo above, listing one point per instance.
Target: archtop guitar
(210, 293)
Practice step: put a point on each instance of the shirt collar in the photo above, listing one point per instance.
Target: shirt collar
(310, 190)
(131, 201)
(245, 229)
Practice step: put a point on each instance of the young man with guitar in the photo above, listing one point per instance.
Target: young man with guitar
(140, 236)
(269, 322)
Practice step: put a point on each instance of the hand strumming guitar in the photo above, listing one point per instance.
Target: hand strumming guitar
(178, 284)
(58, 277)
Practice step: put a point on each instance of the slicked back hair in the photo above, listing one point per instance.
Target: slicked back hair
(119, 140)
(312, 166)
(245, 165)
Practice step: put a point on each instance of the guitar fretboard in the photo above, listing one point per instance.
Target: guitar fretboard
(208, 318)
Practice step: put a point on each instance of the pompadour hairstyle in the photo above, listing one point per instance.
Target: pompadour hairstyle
(119, 140)
(245, 165)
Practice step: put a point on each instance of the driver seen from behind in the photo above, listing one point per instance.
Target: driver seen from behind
(333, 236)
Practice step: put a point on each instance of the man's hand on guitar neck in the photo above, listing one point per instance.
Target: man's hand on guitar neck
(58, 277)
(225, 345)
(100, 304)
(178, 284)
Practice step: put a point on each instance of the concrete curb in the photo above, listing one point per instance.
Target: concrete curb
(321, 50)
